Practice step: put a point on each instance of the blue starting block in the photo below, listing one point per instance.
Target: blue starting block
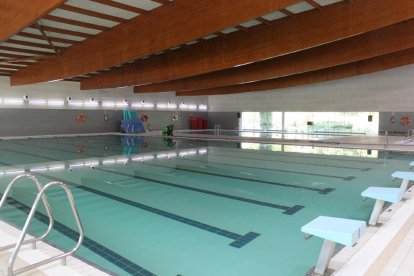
(405, 176)
(381, 195)
(333, 230)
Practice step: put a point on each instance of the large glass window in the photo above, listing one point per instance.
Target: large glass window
(312, 122)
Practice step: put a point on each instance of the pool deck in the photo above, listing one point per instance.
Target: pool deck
(27, 255)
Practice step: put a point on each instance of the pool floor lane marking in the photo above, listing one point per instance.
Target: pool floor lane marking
(244, 239)
(288, 210)
(345, 178)
(111, 256)
(320, 191)
(292, 162)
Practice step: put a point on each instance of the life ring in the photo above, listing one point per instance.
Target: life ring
(81, 118)
(405, 120)
(82, 149)
(144, 117)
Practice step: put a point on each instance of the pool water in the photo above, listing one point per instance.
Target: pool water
(153, 206)
(275, 134)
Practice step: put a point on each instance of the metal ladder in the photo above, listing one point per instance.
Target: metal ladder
(40, 196)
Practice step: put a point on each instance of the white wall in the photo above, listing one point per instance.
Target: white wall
(390, 90)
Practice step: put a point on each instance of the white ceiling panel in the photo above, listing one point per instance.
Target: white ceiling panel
(64, 36)
(327, 2)
(142, 4)
(68, 27)
(229, 30)
(300, 7)
(83, 18)
(274, 15)
(93, 6)
(15, 53)
(192, 42)
(210, 36)
(14, 64)
(26, 47)
(250, 23)
(16, 37)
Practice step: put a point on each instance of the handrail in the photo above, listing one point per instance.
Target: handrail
(45, 203)
(63, 256)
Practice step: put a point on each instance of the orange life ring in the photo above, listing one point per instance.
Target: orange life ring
(144, 117)
(81, 118)
(405, 120)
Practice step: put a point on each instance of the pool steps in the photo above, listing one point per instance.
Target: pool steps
(41, 196)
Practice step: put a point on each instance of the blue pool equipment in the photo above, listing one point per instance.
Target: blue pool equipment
(381, 195)
(333, 230)
(131, 123)
(405, 176)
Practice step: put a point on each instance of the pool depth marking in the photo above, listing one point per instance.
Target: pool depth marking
(288, 210)
(102, 251)
(239, 240)
(345, 178)
(320, 191)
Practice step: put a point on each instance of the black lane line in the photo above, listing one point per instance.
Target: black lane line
(320, 191)
(288, 210)
(292, 162)
(346, 178)
(102, 251)
(239, 240)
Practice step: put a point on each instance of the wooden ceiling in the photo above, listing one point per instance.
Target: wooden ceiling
(203, 47)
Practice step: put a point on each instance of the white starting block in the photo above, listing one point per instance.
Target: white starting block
(333, 230)
(381, 195)
(405, 176)
(412, 164)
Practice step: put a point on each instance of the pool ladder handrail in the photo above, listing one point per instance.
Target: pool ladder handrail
(41, 196)
(45, 203)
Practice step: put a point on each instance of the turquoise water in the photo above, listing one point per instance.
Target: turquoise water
(188, 207)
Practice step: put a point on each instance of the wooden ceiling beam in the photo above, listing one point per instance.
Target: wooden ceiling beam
(285, 36)
(288, 13)
(121, 6)
(375, 64)
(4, 56)
(74, 9)
(379, 42)
(173, 25)
(75, 22)
(17, 15)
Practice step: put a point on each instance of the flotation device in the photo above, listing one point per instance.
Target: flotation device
(405, 120)
(144, 117)
(81, 118)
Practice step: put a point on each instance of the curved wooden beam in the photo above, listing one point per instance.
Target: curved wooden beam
(165, 27)
(375, 64)
(285, 36)
(17, 15)
(379, 42)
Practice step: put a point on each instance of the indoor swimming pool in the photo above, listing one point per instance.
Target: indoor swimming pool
(153, 206)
